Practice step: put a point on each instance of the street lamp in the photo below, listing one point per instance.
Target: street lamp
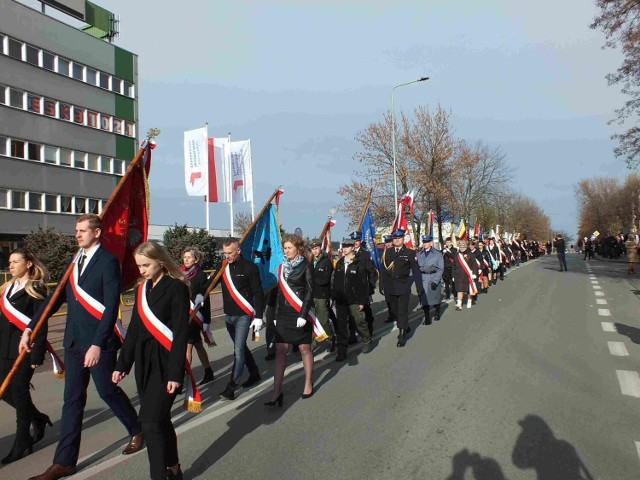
(393, 135)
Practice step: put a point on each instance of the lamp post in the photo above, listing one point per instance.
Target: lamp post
(393, 135)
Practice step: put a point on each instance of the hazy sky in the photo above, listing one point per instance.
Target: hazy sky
(301, 78)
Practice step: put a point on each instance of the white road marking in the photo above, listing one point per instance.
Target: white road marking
(608, 327)
(638, 447)
(618, 349)
(604, 312)
(599, 294)
(596, 287)
(601, 301)
(594, 282)
(629, 383)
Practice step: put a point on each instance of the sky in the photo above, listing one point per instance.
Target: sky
(302, 78)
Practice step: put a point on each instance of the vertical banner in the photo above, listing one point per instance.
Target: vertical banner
(218, 170)
(241, 172)
(196, 150)
(263, 246)
(368, 230)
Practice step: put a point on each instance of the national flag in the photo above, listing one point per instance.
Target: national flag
(125, 223)
(263, 245)
(218, 162)
(401, 221)
(476, 230)
(432, 220)
(326, 238)
(368, 230)
(241, 171)
(492, 234)
(462, 231)
(196, 166)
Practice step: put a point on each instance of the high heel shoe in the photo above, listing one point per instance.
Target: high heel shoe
(38, 424)
(16, 454)
(304, 396)
(277, 402)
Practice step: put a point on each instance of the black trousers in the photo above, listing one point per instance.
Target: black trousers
(400, 309)
(18, 396)
(562, 260)
(449, 286)
(75, 398)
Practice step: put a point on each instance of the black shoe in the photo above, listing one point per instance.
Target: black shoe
(332, 347)
(353, 340)
(269, 356)
(437, 317)
(389, 320)
(252, 380)
(427, 320)
(174, 476)
(277, 402)
(208, 376)
(304, 396)
(38, 424)
(17, 453)
(402, 339)
(342, 356)
(366, 348)
(228, 393)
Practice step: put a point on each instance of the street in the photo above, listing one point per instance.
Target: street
(539, 380)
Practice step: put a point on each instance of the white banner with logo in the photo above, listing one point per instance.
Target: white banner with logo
(242, 175)
(196, 153)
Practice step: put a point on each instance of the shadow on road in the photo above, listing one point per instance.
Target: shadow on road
(632, 333)
(482, 468)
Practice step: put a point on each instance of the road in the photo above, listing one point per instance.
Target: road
(539, 380)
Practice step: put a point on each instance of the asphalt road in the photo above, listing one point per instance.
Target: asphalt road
(539, 380)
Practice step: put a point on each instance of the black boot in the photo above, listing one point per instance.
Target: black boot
(332, 347)
(38, 424)
(402, 338)
(427, 316)
(208, 376)
(437, 312)
(229, 392)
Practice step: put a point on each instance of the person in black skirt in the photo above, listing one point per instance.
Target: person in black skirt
(292, 327)
(163, 301)
(192, 259)
(22, 296)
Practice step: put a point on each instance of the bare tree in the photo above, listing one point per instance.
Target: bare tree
(241, 222)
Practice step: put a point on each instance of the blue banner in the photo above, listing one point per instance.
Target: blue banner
(263, 246)
(368, 237)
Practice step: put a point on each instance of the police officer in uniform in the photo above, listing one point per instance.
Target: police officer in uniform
(372, 274)
(388, 243)
(400, 268)
(431, 265)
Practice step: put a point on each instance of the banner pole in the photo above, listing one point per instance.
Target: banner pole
(230, 183)
(364, 210)
(206, 196)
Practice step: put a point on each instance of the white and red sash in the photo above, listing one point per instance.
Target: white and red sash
(465, 267)
(318, 332)
(237, 297)
(199, 319)
(164, 337)
(21, 321)
(90, 304)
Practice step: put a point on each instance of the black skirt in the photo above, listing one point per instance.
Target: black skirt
(287, 332)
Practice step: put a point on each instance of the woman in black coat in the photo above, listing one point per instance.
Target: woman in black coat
(159, 371)
(21, 297)
(292, 326)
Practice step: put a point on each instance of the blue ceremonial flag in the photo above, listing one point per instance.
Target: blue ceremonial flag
(368, 230)
(263, 246)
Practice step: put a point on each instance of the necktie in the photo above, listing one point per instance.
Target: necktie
(81, 264)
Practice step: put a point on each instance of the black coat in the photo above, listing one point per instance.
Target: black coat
(372, 274)
(350, 286)
(169, 301)
(301, 282)
(322, 271)
(400, 269)
(10, 334)
(246, 279)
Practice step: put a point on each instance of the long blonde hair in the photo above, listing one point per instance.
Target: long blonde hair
(154, 251)
(36, 286)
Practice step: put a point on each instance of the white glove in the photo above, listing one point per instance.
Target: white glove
(301, 322)
(199, 299)
(206, 327)
(473, 276)
(256, 324)
(274, 323)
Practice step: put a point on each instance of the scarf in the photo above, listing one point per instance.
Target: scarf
(289, 265)
(191, 272)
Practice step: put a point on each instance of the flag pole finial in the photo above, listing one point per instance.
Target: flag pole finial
(152, 133)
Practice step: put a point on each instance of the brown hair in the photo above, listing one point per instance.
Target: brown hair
(154, 251)
(92, 218)
(36, 286)
(197, 255)
(296, 241)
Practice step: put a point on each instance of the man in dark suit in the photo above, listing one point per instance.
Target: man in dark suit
(400, 268)
(372, 276)
(93, 295)
(560, 251)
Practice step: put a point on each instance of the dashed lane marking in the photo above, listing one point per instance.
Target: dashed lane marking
(594, 282)
(608, 327)
(599, 294)
(601, 301)
(629, 383)
(604, 312)
(596, 287)
(618, 349)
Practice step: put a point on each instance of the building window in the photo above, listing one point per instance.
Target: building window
(33, 151)
(33, 55)
(77, 72)
(16, 98)
(94, 205)
(80, 205)
(50, 107)
(65, 204)
(51, 203)
(2, 44)
(128, 90)
(104, 80)
(118, 167)
(105, 122)
(50, 154)
(3, 100)
(105, 164)
(49, 61)
(129, 129)
(79, 160)
(3, 146)
(116, 85)
(63, 66)
(93, 162)
(18, 200)
(78, 115)
(34, 104)
(4, 195)
(35, 201)
(65, 111)
(15, 49)
(66, 157)
(92, 119)
(118, 125)
(17, 149)
(92, 75)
